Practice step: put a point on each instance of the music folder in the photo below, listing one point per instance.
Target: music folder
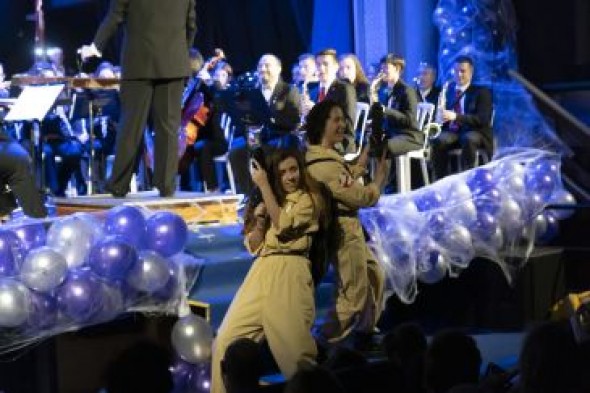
(246, 106)
(34, 102)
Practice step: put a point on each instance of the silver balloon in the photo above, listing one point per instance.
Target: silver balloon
(458, 193)
(464, 213)
(15, 303)
(192, 338)
(72, 237)
(438, 269)
(562, 197)
(43, 269)
(94, 222)
(457, 245)
(150, 273)
(510, 217)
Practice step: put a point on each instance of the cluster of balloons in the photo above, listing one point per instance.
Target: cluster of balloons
(81, 270)
(192, 339)
(493, 211)
(483, 30)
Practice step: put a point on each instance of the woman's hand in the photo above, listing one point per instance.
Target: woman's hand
(259, 176)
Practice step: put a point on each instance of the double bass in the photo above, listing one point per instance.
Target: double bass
(195, 111)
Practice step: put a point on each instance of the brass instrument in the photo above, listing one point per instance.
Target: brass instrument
(373, 96)
(441, 103)
(434, 127)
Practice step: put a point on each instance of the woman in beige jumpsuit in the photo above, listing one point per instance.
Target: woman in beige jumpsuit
(276, 299)
(360, 279)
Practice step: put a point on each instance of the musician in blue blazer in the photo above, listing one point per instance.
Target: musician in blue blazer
(467, 119)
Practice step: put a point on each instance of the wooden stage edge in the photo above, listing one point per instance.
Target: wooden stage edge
(193, 207)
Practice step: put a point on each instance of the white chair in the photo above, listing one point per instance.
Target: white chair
(228, 133)
(361, 118)
(425, 114)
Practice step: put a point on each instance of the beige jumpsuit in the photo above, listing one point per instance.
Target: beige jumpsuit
(361, 280)
(276, 299)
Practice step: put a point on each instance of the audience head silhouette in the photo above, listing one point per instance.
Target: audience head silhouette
(242, 366)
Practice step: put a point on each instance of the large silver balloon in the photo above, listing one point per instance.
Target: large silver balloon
(43, 269)
(15, 303)
(192, 338)
(72, 237)
(150, 273)
(510, 217)
(457, 243)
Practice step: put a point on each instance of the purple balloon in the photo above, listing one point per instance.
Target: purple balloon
(480, 180)
(200, 379)
(181, 374)
(127, 222)
(489, 202)
(485, 226)
(43, 311)
(436, 224)
(542, 183)
(79, 297)
(551, 229)
(32, 234)
(166, 233)
(112, 257)
(428, 200)
(11, 253)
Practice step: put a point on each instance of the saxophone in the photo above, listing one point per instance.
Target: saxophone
(434, 128)
(373, 97)
(441, 103)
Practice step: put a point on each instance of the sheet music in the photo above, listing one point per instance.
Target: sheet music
(34, 102)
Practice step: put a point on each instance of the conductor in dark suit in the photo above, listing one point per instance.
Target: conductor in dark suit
(467, 119)
(283, 104)
(155, 63)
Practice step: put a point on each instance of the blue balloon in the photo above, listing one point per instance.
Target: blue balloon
(480, 180)
(551, 228)
(11, 253)
(489, 202)
(129, 223)
(167, 233)
(542, 183)
(112, 258)
(436, 225)
(32, 234)
(485, 226)
(428, 200)
(80, 296)
(43, 311)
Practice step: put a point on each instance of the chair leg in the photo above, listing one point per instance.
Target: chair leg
(424, 168)
(403, 175)
(230, 177)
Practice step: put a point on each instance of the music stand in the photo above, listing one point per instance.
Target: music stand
(33, 104)
(90, 104)
(246, 106)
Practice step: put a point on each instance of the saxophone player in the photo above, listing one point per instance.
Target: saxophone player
(399, 104)
(467, 119)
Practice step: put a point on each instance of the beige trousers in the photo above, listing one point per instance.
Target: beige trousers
(360, 285)
(276, 301)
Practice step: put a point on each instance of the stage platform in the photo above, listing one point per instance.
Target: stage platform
(194, 207)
